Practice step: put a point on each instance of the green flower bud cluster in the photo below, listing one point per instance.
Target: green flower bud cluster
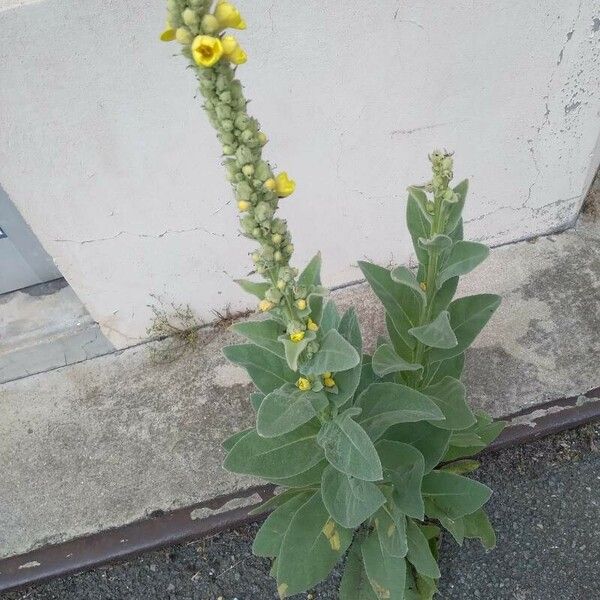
(442, 165)
(186, 17)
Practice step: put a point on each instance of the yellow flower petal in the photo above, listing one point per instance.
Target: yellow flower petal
(284, 185)
(244, 205)
(270, 184)
(297, 336)
(207, 50)
(312, 326)
(301, 304)
(329, 382)
(303, 384)
(265, 305)
(168, 35)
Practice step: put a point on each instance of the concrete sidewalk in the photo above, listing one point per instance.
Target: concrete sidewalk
(107, 441)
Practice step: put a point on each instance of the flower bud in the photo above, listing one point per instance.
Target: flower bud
(278, 256)
(242, 121)
(281, 285)
(311, 325)
(289, 249)
(328, 382)
(184, 36)
(244, 155)
(277, 238)
(190, 17)
(227, 124)
(262, 138)
(243, 191)
(209, 24)
(248, 137)
(248, 170)
(168, 34)
(265, 305)
(257, 232)
(244, 205)
(270, 184)
(301, 304)
(223, 111)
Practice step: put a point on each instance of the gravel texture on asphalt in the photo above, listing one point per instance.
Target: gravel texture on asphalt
(546, 509)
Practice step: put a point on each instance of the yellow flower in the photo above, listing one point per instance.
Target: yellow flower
(303, 384)
(233, 51)
(265, 305)
(270, 184)
(327, 374)
(244, 205)
(228, 15)
(168, 35)
(207, 50)
(311, 325)
(284, 185)
(301, 304)
(297, 336)
(328, 382)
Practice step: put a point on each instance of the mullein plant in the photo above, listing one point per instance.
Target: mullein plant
(369, 453)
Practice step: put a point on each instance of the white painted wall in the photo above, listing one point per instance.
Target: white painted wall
(110, 159)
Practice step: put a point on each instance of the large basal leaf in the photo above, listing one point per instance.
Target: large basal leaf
(347, 381)
(349, 449)
(310, 477)
(402, 304)
(430, 441)
(450, 395)
(453, 367)
(256, 399)
(232, 440)
(355, 584)
(258, 289)
(263, 334)
(286, 409)
(386, 573)
(419, 553)
(404, 466)
(463, 258)
(385, 361)
(385, 404)
(349, 501)
(335, 354)
(267, 371)
(279, 457)
(437, 334)
(312, 272)
(468, 316)
(269, 537)
(452, 496)
(275, 501)
(478, 526)
(311, 546)
(484, 432)
(453, 215)
(390, 523)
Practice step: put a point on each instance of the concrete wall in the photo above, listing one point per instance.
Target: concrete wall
(107, 154)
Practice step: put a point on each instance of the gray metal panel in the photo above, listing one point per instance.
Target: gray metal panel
(23, 261)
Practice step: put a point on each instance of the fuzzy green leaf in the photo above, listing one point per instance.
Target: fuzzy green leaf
(335, 354)
(430, 441)
(355, 584)
(310, 548)
(269, 537)
(404, 466)
(330, 318)
(419, 553)
(437, 243)
(405, 276)
(386, 360)
(348, 448)
(258, 289)
(468, 316)
(350, 501)
(450, 396)
(232, 440)
(280, 457)
(347, 381)
(485, 431)
(390, 523)
(256, 399)
(267, 371)
(385, 404)
(275, 501)
(463, 258)
(310, 477)
(453, 367)
(262, 333)
(437, 334)
(443, 296)
(293, 350)
(418, 221)
(312, 272)
(478, 526)
(287, 408)
(386, 573)
(402, 304)
(452, 496)
(453, 216)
